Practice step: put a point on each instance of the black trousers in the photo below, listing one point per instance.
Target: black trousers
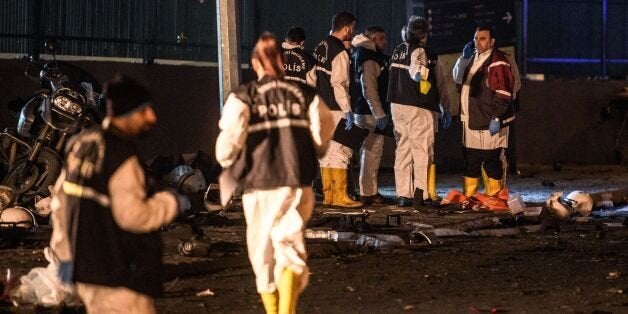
(490, 159)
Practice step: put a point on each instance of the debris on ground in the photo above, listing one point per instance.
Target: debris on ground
(205, 293)
(42, 286)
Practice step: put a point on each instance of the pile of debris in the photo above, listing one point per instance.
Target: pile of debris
(499, 215)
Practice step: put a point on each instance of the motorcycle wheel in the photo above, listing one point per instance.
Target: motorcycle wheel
(43, 173)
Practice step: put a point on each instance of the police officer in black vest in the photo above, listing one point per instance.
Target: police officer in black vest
(371, 108)
(332, 72)
(272, 130)
(298, 64)
(105, 225)
(414, 98)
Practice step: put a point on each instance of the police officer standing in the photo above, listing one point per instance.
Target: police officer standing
(332, 72)
(414, 97)
(272, 130)
(298, 64)
(371, 109)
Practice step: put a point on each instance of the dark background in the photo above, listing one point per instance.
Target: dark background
(579, 45)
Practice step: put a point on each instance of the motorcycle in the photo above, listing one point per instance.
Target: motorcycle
(31, 155)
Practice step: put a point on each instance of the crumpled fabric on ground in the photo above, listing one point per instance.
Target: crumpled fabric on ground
(479, 201)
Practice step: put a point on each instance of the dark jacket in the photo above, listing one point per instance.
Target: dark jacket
(279, 150)
(359, 57)
(402, 89)
(490, 92)
(297, 63)
(324, 53)
(104, 253)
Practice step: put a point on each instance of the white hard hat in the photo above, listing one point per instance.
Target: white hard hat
(581, 202)
(558, 207)
(17, 217)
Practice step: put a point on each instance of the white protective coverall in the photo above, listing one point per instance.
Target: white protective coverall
(414, 128)
(338, 156)
(373, 146)
(276, 217)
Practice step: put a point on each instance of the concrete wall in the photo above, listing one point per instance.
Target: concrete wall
(558, 121)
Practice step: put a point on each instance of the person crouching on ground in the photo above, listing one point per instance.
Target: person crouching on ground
(272, 130)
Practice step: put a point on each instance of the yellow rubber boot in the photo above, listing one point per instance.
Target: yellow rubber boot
(487, 183)
(289, 284)
(470, 186)
(493, 187)
(271, 302)
(431, 183)
(339, 187)
(326, 179)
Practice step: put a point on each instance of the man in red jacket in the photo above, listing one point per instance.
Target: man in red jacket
(485, 83)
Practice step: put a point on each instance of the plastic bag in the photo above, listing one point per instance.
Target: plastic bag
(42, 286)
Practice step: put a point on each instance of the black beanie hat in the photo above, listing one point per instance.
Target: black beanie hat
(125, 94)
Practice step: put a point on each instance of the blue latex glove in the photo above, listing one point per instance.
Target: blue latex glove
(493, 127)
(382, 122)
(445, 120)
(350, 119)
(467, 51)
(66, 270)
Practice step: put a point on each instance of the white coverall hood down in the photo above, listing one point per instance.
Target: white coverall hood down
(361, 40)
